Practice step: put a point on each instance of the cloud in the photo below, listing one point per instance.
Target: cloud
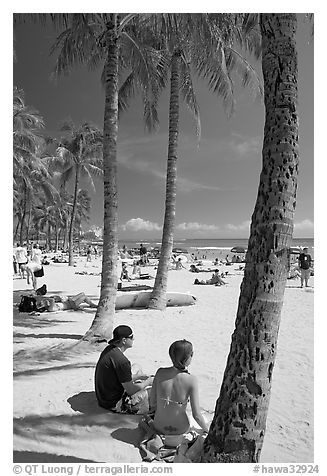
(243, 146)
(184, 185)
(195, 226)
(245, 225)
(138, 224)
(304, 225)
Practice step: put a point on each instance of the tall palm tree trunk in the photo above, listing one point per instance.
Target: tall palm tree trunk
(158, 295)
(66, 232)
(49, 237)
(72, 220)
(57, 232)
(16, 229)
(238, 428)
(21, 237)
(103, 322)
(28, 226)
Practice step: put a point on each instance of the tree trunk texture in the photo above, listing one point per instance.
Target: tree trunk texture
(49, 237)
(102, 324)
(28, 226)
(158, 295)
(72, 220)
(238, 428)
(57, 231)
(21, 234)
(16, 230)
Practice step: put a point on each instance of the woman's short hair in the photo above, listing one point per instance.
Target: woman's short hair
(180, 351)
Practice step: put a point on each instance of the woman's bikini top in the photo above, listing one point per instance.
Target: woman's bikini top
(168, 400)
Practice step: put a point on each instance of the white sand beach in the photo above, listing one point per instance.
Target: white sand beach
(56, 417)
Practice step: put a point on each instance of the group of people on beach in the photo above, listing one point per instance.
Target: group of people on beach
(28, 264)
(164, 396)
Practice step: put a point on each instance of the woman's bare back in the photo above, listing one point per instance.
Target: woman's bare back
(172, 389)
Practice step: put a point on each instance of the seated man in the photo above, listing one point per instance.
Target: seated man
(62, 303)
(115, 388)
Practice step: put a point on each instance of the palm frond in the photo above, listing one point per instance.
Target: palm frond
(246, 71)
(188, 94)
(213, 68)
(126, 91)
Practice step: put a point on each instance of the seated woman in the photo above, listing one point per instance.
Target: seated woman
(172, 388)
(124, 272)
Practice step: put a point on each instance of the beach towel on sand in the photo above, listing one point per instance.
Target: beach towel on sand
(185, 448)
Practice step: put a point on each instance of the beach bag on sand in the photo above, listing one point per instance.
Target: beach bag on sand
(27, 304)
(39, 273)
(42, 290)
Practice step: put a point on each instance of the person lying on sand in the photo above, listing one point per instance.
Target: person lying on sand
(62, 303)
(173, 387)
(115, 387)
(195, 269)
(215, 279)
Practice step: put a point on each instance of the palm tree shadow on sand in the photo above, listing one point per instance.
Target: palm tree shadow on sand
(86, 402)
(35, 457)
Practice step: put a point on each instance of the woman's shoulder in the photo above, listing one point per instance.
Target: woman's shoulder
(162, 370)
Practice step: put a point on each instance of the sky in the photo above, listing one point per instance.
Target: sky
(217, 180)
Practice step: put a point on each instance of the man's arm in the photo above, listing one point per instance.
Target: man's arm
(132, 387)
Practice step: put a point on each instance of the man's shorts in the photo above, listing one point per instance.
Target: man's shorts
(305, 273)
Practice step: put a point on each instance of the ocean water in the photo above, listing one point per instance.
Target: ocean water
(210, 245)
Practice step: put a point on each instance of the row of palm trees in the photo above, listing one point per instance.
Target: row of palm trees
(144, 53)
(42, 204)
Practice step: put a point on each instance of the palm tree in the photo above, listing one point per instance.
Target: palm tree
(205, 43)
(82, 211)
(29, 169)
(238, 427)
(27, 123)
(79, 155)
(109, 39)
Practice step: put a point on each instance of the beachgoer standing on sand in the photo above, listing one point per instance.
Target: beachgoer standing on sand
(89, 253)
(34, 265)
(113, 375)
(143, 254)
(305, 261)
(172, 389)
(21, 258)
(36, 254)
(15, 262)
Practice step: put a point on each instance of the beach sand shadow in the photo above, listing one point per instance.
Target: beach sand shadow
(86, 402)
(49, 336)
(35, 457)
(132, 436)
